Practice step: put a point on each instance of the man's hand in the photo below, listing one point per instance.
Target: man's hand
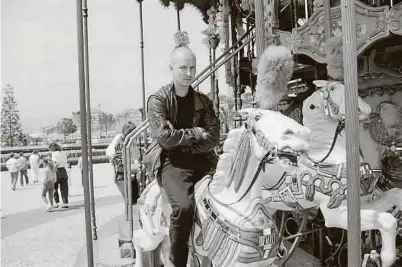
(198, 132)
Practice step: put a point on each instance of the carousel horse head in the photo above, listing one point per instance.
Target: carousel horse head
(276, 137)
(328, 103)
(268, 144)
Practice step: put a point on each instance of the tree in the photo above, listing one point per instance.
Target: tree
(11, 132)
(66, 126)
(106, 121)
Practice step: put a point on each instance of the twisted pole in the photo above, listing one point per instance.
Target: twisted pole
(352, 134)
(81, 75)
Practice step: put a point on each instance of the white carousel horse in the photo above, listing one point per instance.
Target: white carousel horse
(233, 227)
(320, 179)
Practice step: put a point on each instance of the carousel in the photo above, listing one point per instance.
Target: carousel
(310, 156)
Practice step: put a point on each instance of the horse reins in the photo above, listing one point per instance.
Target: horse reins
(339, 129)
(261, 167)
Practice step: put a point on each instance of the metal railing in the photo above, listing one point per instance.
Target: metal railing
(135, 134)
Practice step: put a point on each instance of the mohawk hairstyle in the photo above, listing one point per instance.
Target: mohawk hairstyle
(181, 39)
(274, 71)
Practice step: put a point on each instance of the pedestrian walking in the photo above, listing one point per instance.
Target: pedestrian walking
(48, 184)
(12, 166)
(79, 165)
(59, 158)
(23, 167)
(34, 162)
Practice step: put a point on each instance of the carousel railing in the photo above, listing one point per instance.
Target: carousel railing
(142, 128)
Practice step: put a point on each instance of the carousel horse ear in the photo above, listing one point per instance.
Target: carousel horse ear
(320, 83)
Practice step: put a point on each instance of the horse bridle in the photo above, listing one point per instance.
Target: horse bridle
(330, 105)
(271, 154)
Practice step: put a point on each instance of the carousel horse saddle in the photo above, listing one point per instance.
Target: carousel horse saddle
(331, 180)
(221, 239)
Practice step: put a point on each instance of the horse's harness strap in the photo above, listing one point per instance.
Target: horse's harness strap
(332, 174)
(339, 129)
(261, 166)
(243, 236)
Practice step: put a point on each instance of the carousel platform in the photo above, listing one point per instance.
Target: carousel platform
(107, 252)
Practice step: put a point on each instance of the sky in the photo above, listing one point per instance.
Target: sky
(39, 54)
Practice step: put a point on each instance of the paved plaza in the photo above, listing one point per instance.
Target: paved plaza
(32, 237)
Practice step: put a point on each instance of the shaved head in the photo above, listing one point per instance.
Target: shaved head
(181, 53)
(182, 65)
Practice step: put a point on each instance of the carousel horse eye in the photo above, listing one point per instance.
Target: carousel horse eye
(257, 117)
(312, 106)
(288, 132)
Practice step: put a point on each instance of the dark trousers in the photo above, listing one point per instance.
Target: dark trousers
(22, 174)
(178, 177)
(62, 180)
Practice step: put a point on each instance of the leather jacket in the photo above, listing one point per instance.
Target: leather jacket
(162, 112)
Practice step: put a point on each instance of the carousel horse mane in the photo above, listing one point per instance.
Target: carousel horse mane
(227, 159)
(240, 160)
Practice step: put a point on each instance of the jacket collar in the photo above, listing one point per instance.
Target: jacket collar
(197, 99)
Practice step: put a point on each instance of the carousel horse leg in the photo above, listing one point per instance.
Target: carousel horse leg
(386, 224)
(139, 259)
(165, 251)
(370, 219)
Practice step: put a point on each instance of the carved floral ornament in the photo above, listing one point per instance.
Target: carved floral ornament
(391, 20)
(215, 31)
(373, 24)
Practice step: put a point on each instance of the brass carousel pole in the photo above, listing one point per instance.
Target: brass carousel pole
(89, 119)
(213, 44)
(259, 26)
(352, 134)
(212, 76)
(81, 75)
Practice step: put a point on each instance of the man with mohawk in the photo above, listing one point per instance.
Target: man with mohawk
(186, 131)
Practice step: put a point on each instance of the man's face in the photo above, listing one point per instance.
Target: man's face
(182, 67)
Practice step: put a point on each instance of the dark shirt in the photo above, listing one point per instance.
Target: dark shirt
(184, 120)
(185, 111)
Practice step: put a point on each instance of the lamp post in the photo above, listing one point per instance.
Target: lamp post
(144, 113)
(89, 119)
(81, 75)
